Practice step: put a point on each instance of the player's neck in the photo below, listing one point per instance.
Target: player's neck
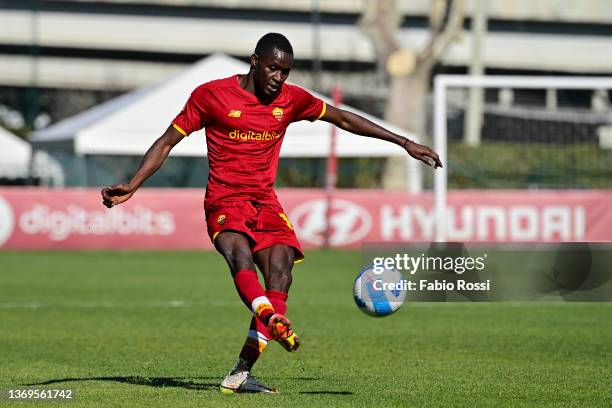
(247, 83)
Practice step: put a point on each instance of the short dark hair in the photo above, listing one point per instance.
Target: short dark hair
(272, 41)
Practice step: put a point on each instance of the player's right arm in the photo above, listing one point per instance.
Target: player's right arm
(359, 125)
(152, 160)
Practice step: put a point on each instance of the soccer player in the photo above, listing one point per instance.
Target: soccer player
(245, 117)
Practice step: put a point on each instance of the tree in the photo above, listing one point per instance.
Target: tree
(409, 71)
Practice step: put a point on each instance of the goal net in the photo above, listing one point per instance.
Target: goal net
(520, 132)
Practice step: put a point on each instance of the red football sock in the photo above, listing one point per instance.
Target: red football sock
(253, 295)
(255, 344)
(279, 300)
(262, 329)
(258, 336)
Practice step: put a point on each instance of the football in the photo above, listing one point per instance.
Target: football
(379, 294)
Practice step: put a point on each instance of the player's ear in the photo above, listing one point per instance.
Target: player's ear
(254, 60)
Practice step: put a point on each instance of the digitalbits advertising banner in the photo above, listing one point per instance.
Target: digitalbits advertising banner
(38, 218)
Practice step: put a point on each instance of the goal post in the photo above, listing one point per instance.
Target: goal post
(442, 84)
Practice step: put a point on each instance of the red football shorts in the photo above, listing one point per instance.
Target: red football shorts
(264, 224)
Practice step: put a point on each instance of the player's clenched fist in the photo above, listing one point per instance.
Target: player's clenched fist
(423, 153)
(116, 194)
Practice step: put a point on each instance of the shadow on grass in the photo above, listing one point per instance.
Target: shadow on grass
(327, 392)
(190, 383)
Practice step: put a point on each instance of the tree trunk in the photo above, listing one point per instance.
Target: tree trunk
(407, 104)
(409, 82)
(406, 108)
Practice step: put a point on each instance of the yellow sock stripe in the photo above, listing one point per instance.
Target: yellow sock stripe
(259, 304)
(257, 340)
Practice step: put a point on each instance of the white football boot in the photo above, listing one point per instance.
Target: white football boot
(237, 382)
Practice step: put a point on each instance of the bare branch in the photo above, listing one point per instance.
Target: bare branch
(440, 40)
(379, 22)
(437, 10)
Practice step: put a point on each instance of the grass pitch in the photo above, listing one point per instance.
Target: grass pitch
(162, 329)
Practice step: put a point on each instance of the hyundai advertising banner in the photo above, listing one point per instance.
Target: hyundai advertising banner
(38, 218)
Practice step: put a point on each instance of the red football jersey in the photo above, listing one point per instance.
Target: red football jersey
(243, 136)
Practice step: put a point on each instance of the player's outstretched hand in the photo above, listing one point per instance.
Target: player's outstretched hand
(424, 154)
(116, 194)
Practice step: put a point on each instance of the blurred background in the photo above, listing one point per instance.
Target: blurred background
(86, 86)
(123, 304)
(60, 58)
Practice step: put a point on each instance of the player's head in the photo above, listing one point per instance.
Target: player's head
(271, 63)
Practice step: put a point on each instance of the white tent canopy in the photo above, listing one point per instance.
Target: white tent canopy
(129, 124)
(15, 155)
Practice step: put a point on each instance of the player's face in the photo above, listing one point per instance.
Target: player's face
(271, 70)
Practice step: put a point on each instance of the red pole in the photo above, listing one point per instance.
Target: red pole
(332, 171)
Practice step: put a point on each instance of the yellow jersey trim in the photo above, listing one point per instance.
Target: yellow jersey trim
(181, 131)
(215, 235)
(322, 111)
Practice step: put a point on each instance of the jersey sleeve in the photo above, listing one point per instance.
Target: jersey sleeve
(195, 114)
(307, 107)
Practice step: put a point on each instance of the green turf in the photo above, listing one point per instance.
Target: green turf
(162, 329)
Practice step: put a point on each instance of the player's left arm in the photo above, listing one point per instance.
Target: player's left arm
(361, 126)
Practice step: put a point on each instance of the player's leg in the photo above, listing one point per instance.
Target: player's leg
(276, 263)
(275, 252)
(265, 235)
(235, 248)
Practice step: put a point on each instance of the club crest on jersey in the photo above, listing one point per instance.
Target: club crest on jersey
(234, 113)
(277, 113)
(221, 219)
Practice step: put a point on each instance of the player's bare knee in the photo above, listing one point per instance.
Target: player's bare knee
(280, 277)
(235, 249)
(280, 281)
(239, 259)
